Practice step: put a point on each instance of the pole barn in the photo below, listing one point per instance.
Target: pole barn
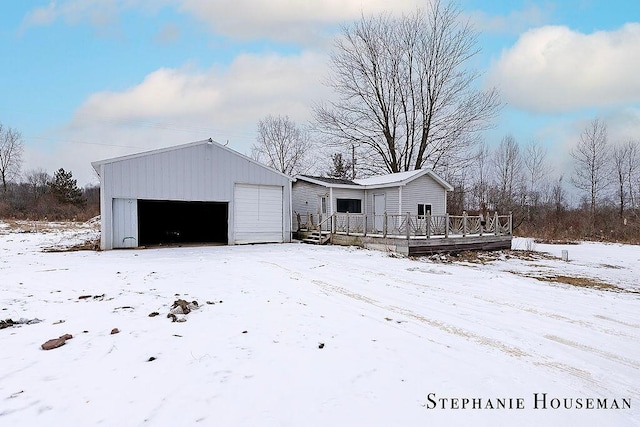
(197, 193)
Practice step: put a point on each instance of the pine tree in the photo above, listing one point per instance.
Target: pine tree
(65, 188)
(340, 168)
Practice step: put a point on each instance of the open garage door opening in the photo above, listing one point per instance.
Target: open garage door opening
(173, 222)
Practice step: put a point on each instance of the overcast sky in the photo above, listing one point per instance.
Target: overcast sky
(87, 80)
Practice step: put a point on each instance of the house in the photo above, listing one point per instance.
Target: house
(201, 192)
(402, 212)
(419, 192)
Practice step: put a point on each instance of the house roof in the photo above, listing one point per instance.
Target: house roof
(96, 164)
(329, 180)
(380, 181)
(391, 178)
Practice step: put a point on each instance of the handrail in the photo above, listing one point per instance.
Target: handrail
(319, 227)
(409, 226)
(421, 226)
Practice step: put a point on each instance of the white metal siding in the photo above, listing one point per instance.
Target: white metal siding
(195, 172)
(125, 223)
(258, 214)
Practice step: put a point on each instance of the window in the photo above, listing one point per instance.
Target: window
(349, 205)
(423, 210)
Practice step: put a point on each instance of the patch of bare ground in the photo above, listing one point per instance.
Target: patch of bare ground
(556, 242)
(26, 226)
(484, 257)
(87, 245)
(581, 282)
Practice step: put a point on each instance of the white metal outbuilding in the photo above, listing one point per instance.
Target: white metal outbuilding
(202, 192)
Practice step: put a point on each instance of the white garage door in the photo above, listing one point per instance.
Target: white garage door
(257, 214)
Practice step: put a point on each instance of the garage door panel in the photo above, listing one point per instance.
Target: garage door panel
(125, 223)
(257, 214)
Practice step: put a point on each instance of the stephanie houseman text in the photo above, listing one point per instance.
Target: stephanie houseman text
(537, 401)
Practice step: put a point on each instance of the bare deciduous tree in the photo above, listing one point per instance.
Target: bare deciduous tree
(536, 168)
(507, 163)
(481, 175)
(38, 181)
(406, 94)
(625, 166)
(11, 147)
(632, 170)
(591, 157)
(282, 145)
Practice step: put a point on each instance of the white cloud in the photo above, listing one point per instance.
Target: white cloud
(288, 20)
(42, 15)
(299, 21)
(513, 23)
(100, 13)
(552, 69)
(174, 106)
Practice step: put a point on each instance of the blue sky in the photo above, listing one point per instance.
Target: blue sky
(86, 80)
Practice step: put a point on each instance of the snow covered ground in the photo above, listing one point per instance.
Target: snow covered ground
(297, 335)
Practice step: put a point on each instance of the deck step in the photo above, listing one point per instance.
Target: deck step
(318, 238)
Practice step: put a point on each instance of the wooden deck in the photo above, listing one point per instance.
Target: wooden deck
(414, 235)
(419, 247)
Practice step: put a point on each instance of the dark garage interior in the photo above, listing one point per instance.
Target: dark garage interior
(176, 222)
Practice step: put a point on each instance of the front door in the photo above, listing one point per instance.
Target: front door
(323, 208)
(379, 207)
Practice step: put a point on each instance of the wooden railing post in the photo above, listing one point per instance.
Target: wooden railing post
(446, 225)
(365, 225)
(496, 223)
(384, 224)
(464, 223)
(408, 225)
(347, 223)
(427, 227)
(510, 223)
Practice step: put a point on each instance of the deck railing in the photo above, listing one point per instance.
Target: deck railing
(408, 226)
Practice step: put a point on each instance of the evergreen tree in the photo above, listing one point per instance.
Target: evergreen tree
(340, 168)
(65, 188)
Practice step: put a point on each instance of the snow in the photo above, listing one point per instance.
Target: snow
(393, 329)
(389, 178)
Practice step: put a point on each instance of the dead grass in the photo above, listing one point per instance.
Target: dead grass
(581, 282)
(26, 226)
(484, 257)
(87, 245)
(556, 242)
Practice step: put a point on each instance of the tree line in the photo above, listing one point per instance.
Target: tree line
(519, 179)
(406, 97)
(37, 195)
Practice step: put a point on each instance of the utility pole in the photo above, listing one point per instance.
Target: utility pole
(353, 161)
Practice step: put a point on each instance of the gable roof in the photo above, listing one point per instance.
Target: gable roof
(96, 164)
(329, 180)
(391, 178)
(380, 181)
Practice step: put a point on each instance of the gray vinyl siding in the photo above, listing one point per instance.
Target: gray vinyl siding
(426, 191)
(195, 172)
(392, 200)
(306, 197)
(347, 193)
